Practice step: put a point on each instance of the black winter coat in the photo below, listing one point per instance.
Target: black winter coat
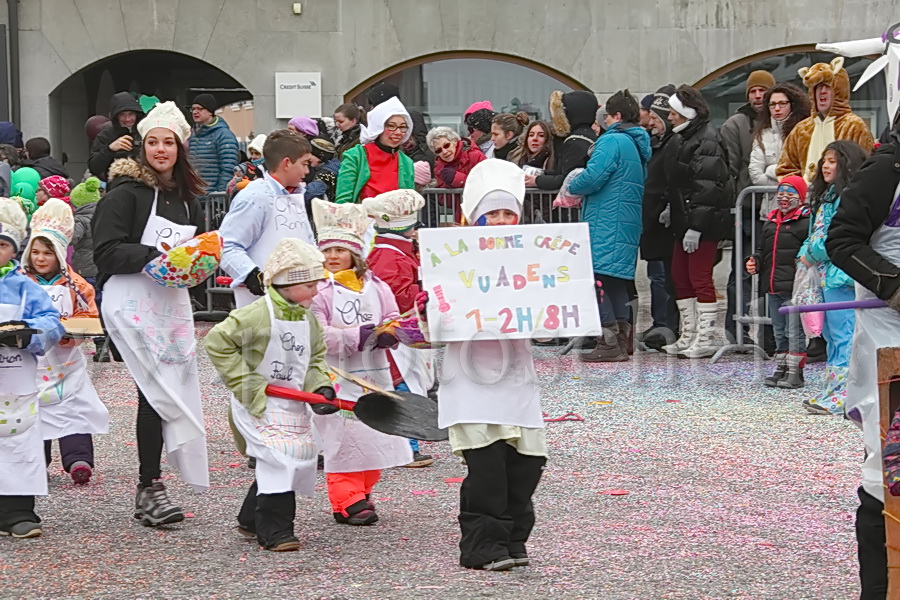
(420, 151)
(122, 214)
(781, 241)
(572, 153)
(46, 166)
(866, 204)
(101, 156)
(701, 188)
(657, 239)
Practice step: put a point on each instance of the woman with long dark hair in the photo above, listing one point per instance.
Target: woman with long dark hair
(783, 107)
(834, 171)
(348, 118)
(535, 149)
(150, 207)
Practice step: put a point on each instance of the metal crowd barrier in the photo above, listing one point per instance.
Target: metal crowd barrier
(747, 314)
(442, 209)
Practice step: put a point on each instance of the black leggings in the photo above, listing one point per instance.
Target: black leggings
(149, 440)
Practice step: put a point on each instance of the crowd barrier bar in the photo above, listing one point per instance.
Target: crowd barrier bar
(746, 313)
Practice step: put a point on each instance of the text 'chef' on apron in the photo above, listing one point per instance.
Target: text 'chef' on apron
(153, 328)
(349, 445)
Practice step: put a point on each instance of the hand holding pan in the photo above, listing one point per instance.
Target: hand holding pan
(395, 413)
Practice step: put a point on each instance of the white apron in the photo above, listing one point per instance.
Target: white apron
(349, 445)
(416, 365)
(153, 328)
(286, 219)
(489, 381)
(22, 468)
(875, 328)
(69, 402)
(282, 441)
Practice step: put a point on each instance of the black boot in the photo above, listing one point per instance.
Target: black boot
(607, 348)
(780, 370)
(816, 350)
(625, 337)
(794, 377)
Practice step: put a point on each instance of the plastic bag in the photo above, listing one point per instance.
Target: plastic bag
(807, 291)
(565, 198)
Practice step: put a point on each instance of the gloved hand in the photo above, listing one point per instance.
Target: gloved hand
(254, 283)
(447, 175)
(325, 409)
(15, 339)
(665, 217)
(691, 241)
(421, 301)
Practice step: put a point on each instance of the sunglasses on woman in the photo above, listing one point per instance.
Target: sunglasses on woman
(439, 149)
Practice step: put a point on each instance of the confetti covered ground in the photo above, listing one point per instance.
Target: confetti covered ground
(684, 481)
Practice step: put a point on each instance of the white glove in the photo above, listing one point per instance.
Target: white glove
(665, 217)
(691, 241)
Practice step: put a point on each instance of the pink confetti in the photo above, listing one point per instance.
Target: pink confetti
(189, 515)
(424, 493)
(234, 464)
(614, 492)
(673, 400)
(454, 480)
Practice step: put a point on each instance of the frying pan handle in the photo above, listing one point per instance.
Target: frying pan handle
(223, 280)
(308, 397)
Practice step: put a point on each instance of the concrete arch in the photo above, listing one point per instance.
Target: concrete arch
(457, 54)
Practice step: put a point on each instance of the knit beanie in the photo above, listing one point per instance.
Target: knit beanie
(207, 101)
(55, 186)
(421, 172)
(760, 79)
(86, 192)
(796, 182)
(647, 101)
(13, 222)
(661, 101)
(322, 149)
(306, 126)
(480, 119)
(478, 106)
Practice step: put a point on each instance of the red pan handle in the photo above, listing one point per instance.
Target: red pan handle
(308, 397)
(224, 280)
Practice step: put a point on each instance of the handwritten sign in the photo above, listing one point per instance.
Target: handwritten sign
(514, 281)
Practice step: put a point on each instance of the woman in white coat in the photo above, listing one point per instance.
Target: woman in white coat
(783, 107)
(150, 207)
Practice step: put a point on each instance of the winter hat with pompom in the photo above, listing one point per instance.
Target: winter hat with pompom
(86, 192)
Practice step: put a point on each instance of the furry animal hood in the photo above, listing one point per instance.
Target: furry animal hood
(834, 75)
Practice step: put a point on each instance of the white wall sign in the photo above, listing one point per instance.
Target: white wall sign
(515, 281)
(298, 94)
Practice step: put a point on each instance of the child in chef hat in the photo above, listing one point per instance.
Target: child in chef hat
(351, 303)
(276, 340)
(29, 326)
(493, 408)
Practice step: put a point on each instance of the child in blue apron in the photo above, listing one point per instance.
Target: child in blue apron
(70, 409)
(23, 474)
(276, 341)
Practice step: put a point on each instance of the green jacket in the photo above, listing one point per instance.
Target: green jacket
(237, 345)
(355, 173)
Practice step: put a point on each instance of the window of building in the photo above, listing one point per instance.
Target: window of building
(443, 89)
(727, 92)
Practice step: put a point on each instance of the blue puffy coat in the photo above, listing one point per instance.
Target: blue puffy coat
(613, 188)
(214, 153)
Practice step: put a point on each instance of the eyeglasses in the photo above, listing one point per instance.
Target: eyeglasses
(439, 149)
(786, 196)
(395, 127)
(780, 104)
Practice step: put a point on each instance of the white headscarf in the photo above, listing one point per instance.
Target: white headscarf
(379, 115)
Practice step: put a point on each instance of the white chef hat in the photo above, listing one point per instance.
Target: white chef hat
(493, 184)
(55, 223)
(168, 116)
(378, 116)
(294, 261)
(395, 210)
(13, 222)
(341, 225)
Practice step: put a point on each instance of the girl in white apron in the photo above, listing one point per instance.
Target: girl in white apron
(350, 304)
(394, 259)
(70, 409)
(265, 212)
(276, 340)
(23, 474)
(489, 399)
(150, 207)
